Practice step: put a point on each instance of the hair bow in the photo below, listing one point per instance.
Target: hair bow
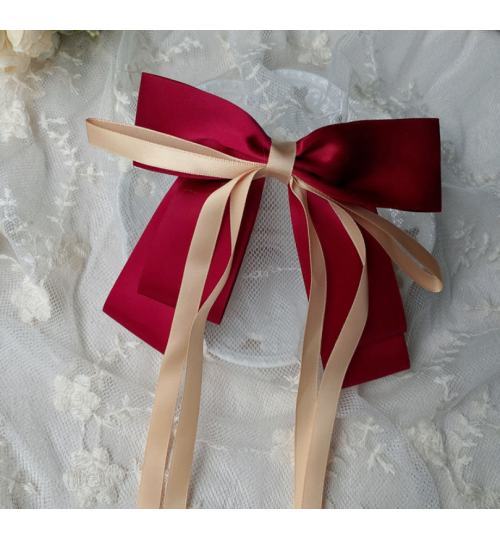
(183, 268)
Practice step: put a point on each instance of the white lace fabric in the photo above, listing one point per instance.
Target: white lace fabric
(76, 389)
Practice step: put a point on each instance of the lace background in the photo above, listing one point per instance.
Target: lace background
(76, 389)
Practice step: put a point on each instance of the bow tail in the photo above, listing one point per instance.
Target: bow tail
(182, 456)
(333, 376)
(185, 348)
(315, 410)
(311, 348)
(382, 349)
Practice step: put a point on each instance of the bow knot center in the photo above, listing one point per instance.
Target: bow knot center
(281, 160)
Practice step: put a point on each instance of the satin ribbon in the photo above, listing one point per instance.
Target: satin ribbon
(316, 407)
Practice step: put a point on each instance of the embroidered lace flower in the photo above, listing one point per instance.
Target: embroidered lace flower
(32, 300)
(93, 478)
(439, 458)
(76, 396)
(14, 121)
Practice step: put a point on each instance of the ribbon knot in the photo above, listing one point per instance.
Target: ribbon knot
(197, 239)
(281, 160)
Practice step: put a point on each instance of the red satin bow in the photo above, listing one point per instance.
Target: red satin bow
(374, 163)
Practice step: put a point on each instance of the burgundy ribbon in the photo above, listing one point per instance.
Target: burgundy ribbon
(374, 163)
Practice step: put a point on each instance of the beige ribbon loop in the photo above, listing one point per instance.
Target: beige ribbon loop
(391, 238)
(164, 151)
(316, 408)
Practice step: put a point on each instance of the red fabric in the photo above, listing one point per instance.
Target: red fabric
(375, 163)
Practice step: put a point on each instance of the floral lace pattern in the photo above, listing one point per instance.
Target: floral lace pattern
(75, 395)
(70, 216)
(93, 478)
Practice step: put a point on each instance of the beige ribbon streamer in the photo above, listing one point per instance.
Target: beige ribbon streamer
(316, 408)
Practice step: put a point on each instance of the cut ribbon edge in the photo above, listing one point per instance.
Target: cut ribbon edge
(316, 408)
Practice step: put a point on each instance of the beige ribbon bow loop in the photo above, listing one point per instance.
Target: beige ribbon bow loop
(316, 408)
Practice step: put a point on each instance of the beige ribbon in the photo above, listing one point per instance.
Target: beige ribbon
(316, 408)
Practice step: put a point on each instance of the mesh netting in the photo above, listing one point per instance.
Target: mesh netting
(77, 389)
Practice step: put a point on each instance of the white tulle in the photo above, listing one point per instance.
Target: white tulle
(76, 389)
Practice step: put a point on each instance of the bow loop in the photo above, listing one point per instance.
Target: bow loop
(170, 106)
(375, 163)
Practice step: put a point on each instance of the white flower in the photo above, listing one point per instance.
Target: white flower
(17, 47)
(76, 397)
(10, 61)
(93, 478)
(30, 42)
(32, 300)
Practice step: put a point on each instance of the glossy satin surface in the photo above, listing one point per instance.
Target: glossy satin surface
(378, 163)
